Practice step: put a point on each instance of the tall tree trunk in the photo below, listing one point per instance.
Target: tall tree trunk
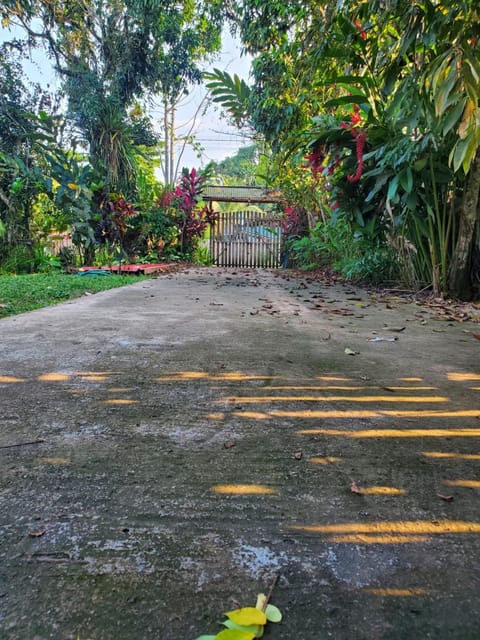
(166, 124)
(172, 141)
(459, 278)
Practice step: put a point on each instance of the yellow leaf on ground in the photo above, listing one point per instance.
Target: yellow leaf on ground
(247, 616)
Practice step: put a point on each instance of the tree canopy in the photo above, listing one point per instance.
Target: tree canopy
(381, 101)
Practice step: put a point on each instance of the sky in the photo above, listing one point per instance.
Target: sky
(217, 139)
(214, 134)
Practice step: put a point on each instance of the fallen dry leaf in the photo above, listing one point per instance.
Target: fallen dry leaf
(339, 312)
(37, 534)
(298, 455)
(476, 335)
(350, 352)
(354, 488)
(228, 445)
(446, 498)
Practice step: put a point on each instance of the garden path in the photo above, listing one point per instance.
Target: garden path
(168, 448)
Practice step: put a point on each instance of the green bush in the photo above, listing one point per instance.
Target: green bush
(357, 255)
(378, 265)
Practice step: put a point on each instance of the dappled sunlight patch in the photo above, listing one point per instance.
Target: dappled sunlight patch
(469, 484)
(308, 413)
(120, 390)
(243, 489)
(216, 416)
(463, 377)
(323, 398)
(395, 433)
(398, 593)
(53, 461)
(358, 538)
(11, 379)
(334, 378)
(461, 413)
(389, 532)
(411, 379)
(97, 373)
(95, 377)
(176, 376)
(427, 527)
(338, 387)
(409, 388)
(253, 415)
(382, 491)
(237, 376)
(451, 456)
(54, 377)
(230, 376)
(311, 413)
(119, 401)
(324, 461)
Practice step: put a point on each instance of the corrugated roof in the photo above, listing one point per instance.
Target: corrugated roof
(240, 194)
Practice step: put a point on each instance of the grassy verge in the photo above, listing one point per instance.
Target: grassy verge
(25, 293)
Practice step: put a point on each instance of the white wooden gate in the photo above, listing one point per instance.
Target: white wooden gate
(246, 239)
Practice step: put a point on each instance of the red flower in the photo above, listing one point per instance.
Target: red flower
(360, 29)
(315, 162)
(355, 117)
(361, 139)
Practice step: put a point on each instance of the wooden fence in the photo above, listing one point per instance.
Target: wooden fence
(246, 239)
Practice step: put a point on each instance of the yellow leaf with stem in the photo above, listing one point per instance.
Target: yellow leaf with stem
(262, 602)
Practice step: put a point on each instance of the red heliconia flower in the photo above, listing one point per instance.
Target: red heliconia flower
(355, 117)
(315, 163)
(361, 139)
(360, 29)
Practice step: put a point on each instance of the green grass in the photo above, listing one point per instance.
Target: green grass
(27, 292)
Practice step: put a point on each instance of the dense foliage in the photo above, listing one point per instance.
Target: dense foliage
(87, 169)
(381, 103)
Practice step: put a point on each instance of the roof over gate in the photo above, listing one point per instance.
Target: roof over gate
(240, 194)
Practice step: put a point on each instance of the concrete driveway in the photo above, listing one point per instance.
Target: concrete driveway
(168, 448)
